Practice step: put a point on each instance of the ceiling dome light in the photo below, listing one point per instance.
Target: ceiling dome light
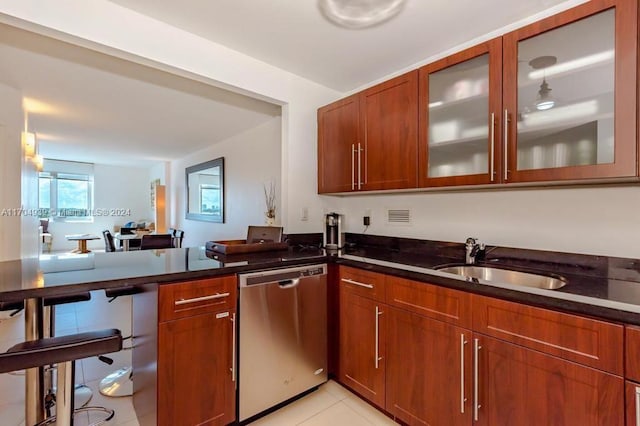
(356, 14)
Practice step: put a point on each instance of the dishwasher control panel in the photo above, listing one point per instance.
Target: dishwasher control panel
(283, 274)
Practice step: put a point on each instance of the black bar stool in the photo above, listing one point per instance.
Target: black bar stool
(64, 351)
(119, 383)
(82, 393)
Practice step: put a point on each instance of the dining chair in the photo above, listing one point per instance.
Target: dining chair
(156, 241)
(177, 238)
(109, 246)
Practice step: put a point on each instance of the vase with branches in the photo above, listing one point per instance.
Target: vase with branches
(270, 202)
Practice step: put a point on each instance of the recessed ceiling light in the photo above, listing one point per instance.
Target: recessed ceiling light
(356, 14)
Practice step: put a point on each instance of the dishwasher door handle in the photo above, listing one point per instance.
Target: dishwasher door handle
(289, 283)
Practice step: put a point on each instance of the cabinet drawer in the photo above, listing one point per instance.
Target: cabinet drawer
(364, 283)
(431, 301)
(587, 341)
(188, 298)
(632, 352)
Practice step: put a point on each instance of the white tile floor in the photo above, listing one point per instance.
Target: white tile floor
(330, 405)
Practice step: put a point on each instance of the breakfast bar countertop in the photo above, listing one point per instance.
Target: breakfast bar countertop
(64, 273)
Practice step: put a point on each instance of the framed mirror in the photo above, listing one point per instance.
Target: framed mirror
(205, 191)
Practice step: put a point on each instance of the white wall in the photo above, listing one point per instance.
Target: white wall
(114, 187)
(251, 159)
(11, 160)
(588, 220)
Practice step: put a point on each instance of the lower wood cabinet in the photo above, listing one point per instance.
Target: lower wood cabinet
(520, 386)
(428, 378)
(515, 365)
(632, 397)
(183, 357)
(195, 367)
(362, 345)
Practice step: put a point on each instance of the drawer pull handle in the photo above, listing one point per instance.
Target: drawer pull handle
(233, 349)
(506, 145)
(377, 356)
(476, 355)
(493, 143)
(201, 299)
(463, 342)
(348, 281)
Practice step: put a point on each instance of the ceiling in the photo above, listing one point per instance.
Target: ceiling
(87, 106)
(294, 36)
(96, 108)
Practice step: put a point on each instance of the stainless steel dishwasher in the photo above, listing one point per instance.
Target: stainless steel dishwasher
(282, 335)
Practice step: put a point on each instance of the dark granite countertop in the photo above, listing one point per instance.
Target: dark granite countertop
(600, 286)
(61, 274)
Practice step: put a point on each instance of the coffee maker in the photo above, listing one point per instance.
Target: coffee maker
(333, 235)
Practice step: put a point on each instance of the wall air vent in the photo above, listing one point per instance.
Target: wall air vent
(399, 216)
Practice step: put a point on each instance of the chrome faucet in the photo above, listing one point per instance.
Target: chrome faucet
(472, 249)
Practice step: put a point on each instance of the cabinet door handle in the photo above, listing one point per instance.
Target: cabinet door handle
(359, 166)
(476, 354)
(493, 143)
(506, 144)
(348, 281)
(463, 342)
(637, 405)
(353, 166)
(201, 299)
(377, 354)
(233, 348)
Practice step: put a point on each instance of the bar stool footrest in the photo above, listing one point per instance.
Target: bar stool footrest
(109, 415)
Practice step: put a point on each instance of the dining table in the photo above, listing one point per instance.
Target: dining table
(82, 241)
(125, 238)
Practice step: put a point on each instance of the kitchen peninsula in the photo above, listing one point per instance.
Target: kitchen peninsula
(600, 292)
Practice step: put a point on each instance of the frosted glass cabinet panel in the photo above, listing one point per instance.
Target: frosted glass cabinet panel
(569, 97)
(459, 103)
(565, 95)
(458, 110)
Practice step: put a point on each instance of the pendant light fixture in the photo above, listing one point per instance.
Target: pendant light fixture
(544, 99)
(356, 14)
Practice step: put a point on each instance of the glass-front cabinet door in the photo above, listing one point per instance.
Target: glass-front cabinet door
(569, 95)
(460, 112)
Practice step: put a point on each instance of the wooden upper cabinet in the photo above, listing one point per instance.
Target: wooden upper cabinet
(460, 117)
(389, 128)
(369, 141)
(338, 138)
(570, 95)
(554, 101)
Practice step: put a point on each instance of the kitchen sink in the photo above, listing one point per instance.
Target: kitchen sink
(505, 276)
